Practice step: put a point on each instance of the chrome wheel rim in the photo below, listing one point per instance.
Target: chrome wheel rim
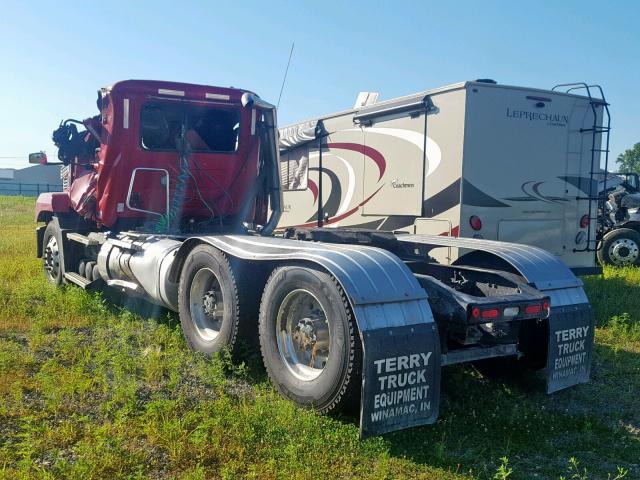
(52, 258)
(206, 303)
(624, 251)
(303, 335)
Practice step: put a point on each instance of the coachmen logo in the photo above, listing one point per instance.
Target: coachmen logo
(398, 184)
(552, 119)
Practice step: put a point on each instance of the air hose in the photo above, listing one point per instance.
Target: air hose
(171, 222)
(175, 211)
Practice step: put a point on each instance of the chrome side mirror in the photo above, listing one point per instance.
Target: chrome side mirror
(38, 158)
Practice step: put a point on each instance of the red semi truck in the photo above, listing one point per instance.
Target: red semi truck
(172, 194)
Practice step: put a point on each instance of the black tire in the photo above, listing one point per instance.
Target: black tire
(53, 253)
(96, 272)
(620, 247)
(336, 385)
(88, 270)
(82, 267)
(204, 332)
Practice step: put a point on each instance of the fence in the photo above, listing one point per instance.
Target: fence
(28, 189)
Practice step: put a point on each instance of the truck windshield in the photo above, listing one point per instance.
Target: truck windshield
(207, 129)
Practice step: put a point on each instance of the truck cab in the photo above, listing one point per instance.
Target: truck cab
(161, 155)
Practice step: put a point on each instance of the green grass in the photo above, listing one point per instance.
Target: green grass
(89, 390)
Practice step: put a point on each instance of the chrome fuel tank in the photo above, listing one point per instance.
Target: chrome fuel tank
(141, 264)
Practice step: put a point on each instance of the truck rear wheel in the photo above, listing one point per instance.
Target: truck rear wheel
(620, 247)
(53, 254)
(308, 339)
(208, 301)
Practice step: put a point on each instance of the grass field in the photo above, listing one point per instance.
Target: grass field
(90, 390)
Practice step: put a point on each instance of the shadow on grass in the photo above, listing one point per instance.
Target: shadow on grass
(247, 353)
(116, 301)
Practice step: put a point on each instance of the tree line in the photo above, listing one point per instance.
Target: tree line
(629, 160)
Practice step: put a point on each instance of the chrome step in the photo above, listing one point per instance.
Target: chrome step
(133, 247)
(76, 278)
(89, 240)
(83, 282)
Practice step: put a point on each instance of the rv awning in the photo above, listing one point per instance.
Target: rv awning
(291, 137)
(401, 105)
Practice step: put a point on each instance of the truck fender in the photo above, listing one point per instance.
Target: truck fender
(632, 224)
(51, 203)
(392, 313)
(568, 356)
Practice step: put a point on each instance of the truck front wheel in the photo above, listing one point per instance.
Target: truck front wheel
(208, 301)
(620, 247)
(308, 339)
(53, 254)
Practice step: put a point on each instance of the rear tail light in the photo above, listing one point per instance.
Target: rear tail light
(541, 310)
(509, 312)
(584, 221)
(485, 313)
(490, 313)
(533, 309)
(475, 222)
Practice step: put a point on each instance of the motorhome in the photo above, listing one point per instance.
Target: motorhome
(473, 159)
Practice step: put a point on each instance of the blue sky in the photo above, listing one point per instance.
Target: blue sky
(55, 55)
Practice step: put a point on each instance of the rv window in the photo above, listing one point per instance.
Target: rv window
(294, 169)
(207, 129)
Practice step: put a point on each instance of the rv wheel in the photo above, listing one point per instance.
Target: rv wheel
(208, 301)
(620, 247)
(308, 339)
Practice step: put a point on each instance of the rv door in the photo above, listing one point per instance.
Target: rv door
(394, 164)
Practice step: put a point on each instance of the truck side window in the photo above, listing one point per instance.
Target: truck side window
(294, 168)
(155, 131)
(207, 129)
(216, 130)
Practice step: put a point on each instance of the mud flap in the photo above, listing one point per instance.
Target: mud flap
(401, 378)
(570, 346)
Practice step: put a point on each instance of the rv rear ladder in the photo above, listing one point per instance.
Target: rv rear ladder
(595, 130)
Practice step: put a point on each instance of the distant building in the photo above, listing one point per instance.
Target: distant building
(6, 173)
(31, 180)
